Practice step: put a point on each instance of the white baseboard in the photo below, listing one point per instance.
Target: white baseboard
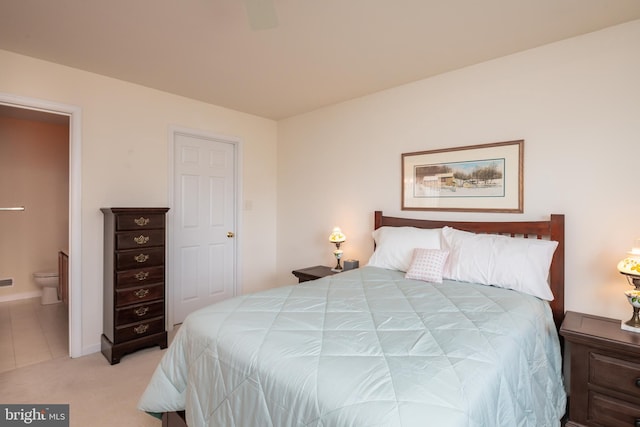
(95, 348)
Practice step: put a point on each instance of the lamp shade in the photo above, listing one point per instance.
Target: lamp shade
(631, 264)
(337, 236)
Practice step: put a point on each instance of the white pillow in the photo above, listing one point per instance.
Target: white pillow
(394, 245)
(507, 262)
(427, 265)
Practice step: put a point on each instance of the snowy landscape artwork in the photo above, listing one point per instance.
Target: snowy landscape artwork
(482, 178)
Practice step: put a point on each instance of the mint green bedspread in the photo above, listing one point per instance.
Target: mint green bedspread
(365, 348)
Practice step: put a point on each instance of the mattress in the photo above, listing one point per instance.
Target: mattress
(366, 347)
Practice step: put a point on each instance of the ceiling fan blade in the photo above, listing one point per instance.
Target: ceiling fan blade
(262, 14)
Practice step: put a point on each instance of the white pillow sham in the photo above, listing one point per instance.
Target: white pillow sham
(507, 262)
(395, 245)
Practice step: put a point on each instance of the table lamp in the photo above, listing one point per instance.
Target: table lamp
(338, 238)
(630, 267)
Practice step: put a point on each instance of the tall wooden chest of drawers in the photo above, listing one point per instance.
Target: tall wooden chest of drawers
(134, 280)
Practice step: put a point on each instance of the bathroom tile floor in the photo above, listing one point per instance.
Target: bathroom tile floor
(32, 333)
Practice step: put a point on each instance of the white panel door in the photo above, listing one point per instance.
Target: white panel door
(204, 245)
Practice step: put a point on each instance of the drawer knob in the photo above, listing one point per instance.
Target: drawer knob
(141, 329)
(141, 311)
(141, 293)
(142, 221)
(638, 385)
(636, 422)
(142, 275)
(141, 258)
(141, 239)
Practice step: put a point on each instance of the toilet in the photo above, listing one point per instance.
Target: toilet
(49, 283)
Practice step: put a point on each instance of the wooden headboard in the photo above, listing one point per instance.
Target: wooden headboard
(553, 229)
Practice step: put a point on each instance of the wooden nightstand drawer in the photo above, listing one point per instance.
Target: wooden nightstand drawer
(607, 411)
(615, 374)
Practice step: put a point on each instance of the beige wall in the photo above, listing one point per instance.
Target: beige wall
(34, 172)
(125, 137)
(575, 103)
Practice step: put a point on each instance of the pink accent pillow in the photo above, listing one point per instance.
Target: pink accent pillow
(427, 265)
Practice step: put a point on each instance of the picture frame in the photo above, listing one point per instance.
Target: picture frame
(474, 178)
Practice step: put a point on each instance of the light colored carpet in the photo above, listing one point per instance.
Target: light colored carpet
(99, 394)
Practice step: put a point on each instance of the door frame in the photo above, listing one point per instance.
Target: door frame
(75, 206)
(169, 265)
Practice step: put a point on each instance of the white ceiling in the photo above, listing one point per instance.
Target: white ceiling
(321, 51)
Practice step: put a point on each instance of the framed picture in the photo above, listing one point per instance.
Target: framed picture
(476, 178)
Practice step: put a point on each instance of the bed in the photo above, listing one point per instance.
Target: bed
(375, 347)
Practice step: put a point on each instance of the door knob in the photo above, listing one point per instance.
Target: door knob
(230, 234)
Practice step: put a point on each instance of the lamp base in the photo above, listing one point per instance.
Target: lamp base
(633, 324)
(624, 326)
(338, 254)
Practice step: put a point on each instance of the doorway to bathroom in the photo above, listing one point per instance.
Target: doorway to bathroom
(37, 146)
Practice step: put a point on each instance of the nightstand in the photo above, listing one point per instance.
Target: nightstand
(312, 273)
(604, 371)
